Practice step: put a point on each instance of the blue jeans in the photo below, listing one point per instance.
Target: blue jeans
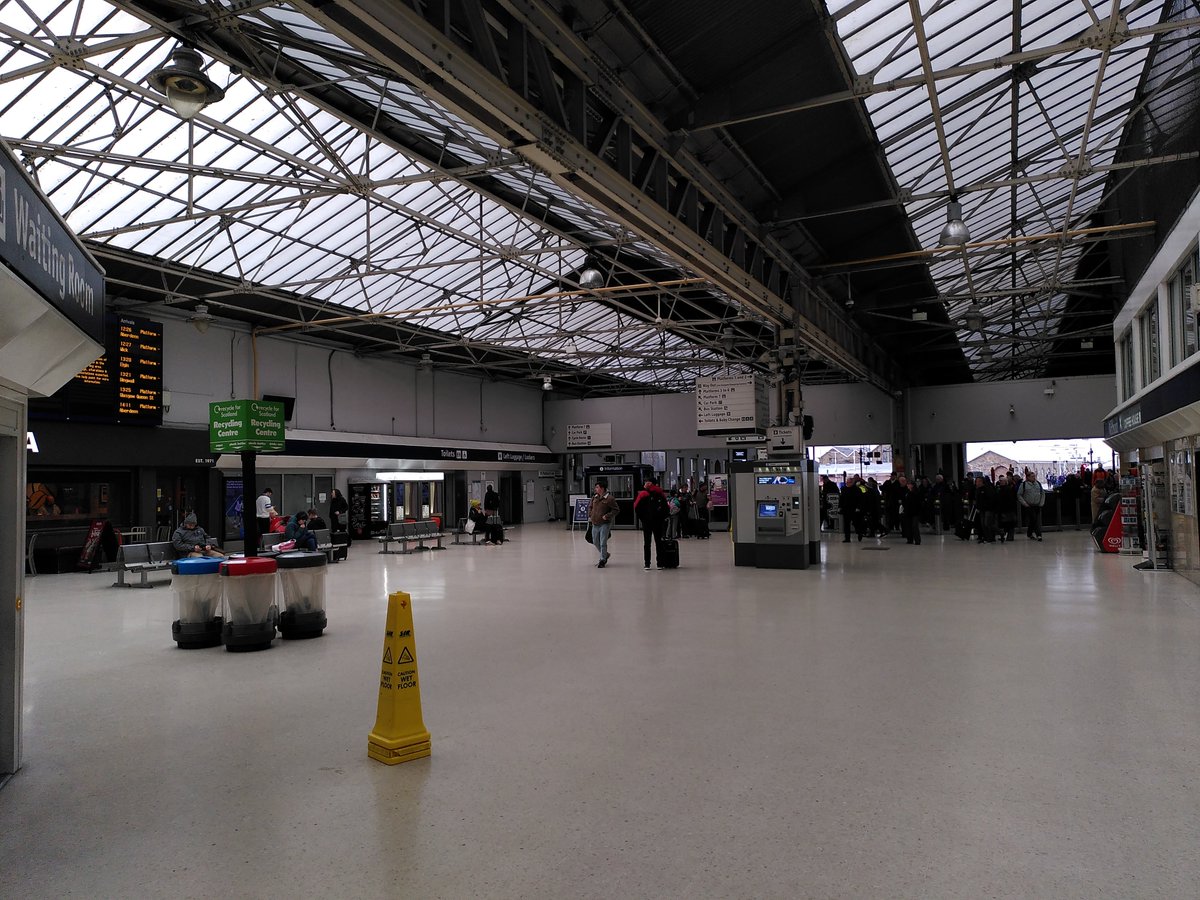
(600, 538)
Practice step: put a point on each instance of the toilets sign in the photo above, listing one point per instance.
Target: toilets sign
(237, 425)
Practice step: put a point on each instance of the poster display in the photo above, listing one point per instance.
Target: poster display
(580, 503)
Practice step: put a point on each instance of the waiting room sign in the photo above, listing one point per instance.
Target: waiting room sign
(238, 425)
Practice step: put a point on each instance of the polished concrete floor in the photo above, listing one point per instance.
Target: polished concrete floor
(948, 720)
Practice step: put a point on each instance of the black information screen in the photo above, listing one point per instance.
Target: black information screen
(123, 386)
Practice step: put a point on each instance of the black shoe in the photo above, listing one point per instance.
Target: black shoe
(601, 564)
(845, 540)
(860, 537)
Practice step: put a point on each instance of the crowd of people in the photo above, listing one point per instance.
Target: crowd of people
(987, 507)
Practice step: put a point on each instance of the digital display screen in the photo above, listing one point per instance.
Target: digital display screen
(124, 386)
(768, 510)
(776, 479)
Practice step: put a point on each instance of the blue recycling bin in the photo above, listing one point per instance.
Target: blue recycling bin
(197, 587)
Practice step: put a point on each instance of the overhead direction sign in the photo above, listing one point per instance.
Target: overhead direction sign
(238, 425)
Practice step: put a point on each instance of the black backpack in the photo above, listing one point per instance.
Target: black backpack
(654, 508)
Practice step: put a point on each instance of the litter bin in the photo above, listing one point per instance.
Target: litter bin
(302, 577)
(250, 610)
(197, 587)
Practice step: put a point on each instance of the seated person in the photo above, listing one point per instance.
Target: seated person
(297, 530)
(492, 534)
(189, 539)
(315, 522)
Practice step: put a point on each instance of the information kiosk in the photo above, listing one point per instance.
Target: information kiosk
(624, 482)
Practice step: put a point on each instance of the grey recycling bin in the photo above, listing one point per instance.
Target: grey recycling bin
(302, 577)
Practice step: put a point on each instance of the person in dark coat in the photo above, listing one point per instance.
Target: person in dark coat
(912, 499)
(651, 509)
(338, 507)
(854, 502)
(985, 503)
(872, 510)
(297, 530)
(828, 489)
(1007, 508)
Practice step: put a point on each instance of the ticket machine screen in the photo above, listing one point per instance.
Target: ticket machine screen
(768, 510)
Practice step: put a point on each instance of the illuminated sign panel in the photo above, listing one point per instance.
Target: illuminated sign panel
(124, 386)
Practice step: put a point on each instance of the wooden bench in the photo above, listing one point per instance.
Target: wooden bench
(408, 533)
(142, 560)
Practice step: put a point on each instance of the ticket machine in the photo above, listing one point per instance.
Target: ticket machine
(770, 521)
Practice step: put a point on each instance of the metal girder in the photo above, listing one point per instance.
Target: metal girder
(542, 91)
(719, 112)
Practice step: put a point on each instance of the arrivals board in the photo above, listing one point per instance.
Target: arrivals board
(124, 386)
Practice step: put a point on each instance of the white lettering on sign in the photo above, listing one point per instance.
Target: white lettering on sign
(728, 404)
(598, 434)
(34, 237)
(31, 442)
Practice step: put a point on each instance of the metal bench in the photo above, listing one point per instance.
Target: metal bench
(269, 540)
(142, 560)
(408, 533)
(420, 532)
(333, 552)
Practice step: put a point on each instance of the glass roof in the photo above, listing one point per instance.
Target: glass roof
(277, 189)
(1026, 112)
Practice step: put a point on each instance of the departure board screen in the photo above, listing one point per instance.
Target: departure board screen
(139, 358)
(123, 386)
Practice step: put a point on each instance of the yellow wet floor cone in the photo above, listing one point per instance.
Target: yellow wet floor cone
(399, 733)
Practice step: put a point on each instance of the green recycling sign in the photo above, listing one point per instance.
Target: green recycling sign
(237, 425)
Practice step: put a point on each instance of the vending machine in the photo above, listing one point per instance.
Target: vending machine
(369, 508)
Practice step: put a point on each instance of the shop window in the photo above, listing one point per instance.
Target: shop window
(1187, 289)
(1148, 326)
(1128, 387)
(66, 502)
(1182, 303)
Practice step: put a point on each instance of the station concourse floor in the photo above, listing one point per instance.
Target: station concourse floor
(948, 720)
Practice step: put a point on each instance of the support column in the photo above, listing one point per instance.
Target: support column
(12, 581)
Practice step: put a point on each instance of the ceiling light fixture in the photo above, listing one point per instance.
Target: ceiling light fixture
(590, 277)
(954, 233)
(547, 384)
(183, 82)
(974, 318)
(919, 315)
(200, 319)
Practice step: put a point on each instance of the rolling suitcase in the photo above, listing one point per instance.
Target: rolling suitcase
(668, 553)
